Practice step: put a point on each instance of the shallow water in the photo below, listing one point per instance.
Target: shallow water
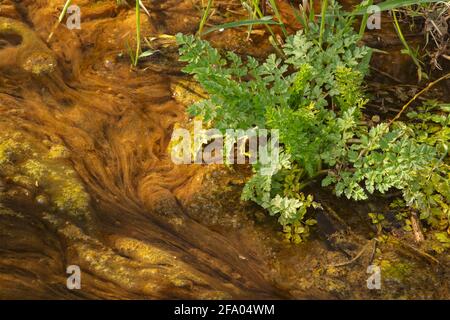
(102, 193)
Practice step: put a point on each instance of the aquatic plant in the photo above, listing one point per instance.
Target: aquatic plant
(318, 110)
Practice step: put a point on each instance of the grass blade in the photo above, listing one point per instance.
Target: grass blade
(60, 19)
(278, 15)
(138, 33)
(264, 20)
(322, 21)
(393, 4)
(205, 16)
(408, 49)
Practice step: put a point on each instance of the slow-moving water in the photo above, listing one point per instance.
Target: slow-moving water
(122, 222)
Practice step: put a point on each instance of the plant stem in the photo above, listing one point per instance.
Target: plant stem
(60, 19)
(365, 17)
(322, 21)
(431, 84)
(205, 17)
(411, 53)
(275, 43)
(278, 15)
(138, 33)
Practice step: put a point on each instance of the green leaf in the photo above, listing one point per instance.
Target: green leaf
(264, 20)
(393, 4)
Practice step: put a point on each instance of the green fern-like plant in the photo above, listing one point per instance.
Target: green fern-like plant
(315, 98)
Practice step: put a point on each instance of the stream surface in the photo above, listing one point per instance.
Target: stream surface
(86, 180)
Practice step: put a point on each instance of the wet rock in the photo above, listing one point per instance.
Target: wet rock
(8, 9)
(2, 185)
(19, 194)
(187, 92)
(39, 63)
(58, 152)
(43, 200)
(110, 62)
(25, 182)
(32, 55)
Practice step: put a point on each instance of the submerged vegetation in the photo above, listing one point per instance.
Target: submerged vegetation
(314, 95)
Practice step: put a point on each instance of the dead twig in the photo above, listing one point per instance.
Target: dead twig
(355, 258)
(416, 227)
(374, 250)
(386, 74)
(417, 251)
(428, 87)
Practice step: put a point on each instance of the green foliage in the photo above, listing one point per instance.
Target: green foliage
(402, 213)
(394, 4)
(315, 98)
(411, 157)
(256, 16)
(235, 102)
(376, 218)
(297, 232)
(430, 193)
(443, 242)
(383, 159)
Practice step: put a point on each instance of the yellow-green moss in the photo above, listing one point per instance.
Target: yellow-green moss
(10, 149)
(187, 92)
(33, 55)
(35, 169)
(29, 163)
(398, 271)
(58, 152)
(72, 198)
